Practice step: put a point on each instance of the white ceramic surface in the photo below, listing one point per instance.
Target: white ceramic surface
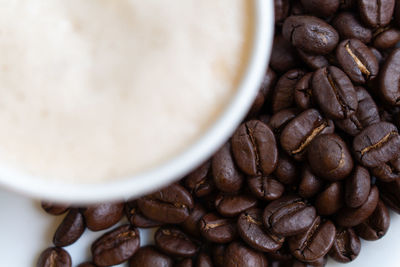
(25, 230)
(176, 167)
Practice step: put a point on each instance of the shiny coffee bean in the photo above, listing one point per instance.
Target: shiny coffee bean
(309, 185)
(349, 27)
(70, 229)
(265, 187)
(87, 264)
(349, 217)
(280, 119)
(102, 216)
(288, 216)
(303, 92)
(314, 62)
(251, 230)
(199, 182)
(377, 144)
(217, 229)
(204, 260)
(346, 247)
(357, 187)
(254, 148)
(169, 205)
(329, 157)
(283, 55)
(390, 194)
(315, 242)
(233, 205)
(191, 224)
(149, 257)
(389, 171)
(300, 131)
(282, 8)
(54, 257)
(334, 93)
(386, 38)
(322, 8)
(237, 254)
(286, 170)
(53, 208)
(310, 34)
(136, 218)
(376, 226)
(227, 177)
(174, 242)
(376, 13)
(389, 78)
(116, 246)
(330, 200)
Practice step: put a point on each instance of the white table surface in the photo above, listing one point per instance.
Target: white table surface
(25, 230)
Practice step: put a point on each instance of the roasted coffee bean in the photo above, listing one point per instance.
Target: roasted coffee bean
(389, 79)
(346, 247)
(218, 252)
(386, 38)
(283, 94)
(102, 216)
(314, 62)
(315, 242)
(376, 225)
(237, 254)
(377, 54)
(286, 170)
(367, 113)
(349, 217)
(321, 8)
(254, 148)
(204, 260)
(388, 171)
(377, 144)
(188, 262)
(300, 131)
(280, 119)
(288, 216)
(390, 194)
(169, 205)
(251, 230)
(330, 200)
(349, 27)
(310, 34)
(376, 13)
(357, 187)
(334, 93)
(329, 157)
(53, 208)
(136, 218)
(70, 229)
(87, 264)
(357, 60)
(150, 257)
(267, 84)
(116, 246)
(233, 205)
(283, 55)
(216, 229)
(54, 257)
(281, 10)
(199, 182)
(191, 224)
(310, 185)
(303, 92)
(265, 187)
(227, 177)
(174, 242)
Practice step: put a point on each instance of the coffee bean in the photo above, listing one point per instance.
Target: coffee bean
(53, 208)
(283, 93)
(238, 254)
(357, 60)
(322, 8)
(280, 119)
(199, 182)
(286, 170)
(174, 242)
(314, 62)
(390, 78)
(329, 157)
(218, 252)
(254, 148)
(281, 10)
(169, 205)
(315, 242)
(233, 205)
(54, 257)
(309, 185)
(376, 226)
(191, 224)
(376, 13)
(87, 264)
(116, 246)
(349, 27)
(349, 217)
(227, 177)
(330, 200)
(377, 144)
(102, 216)
(288, 216)
(334, 93)
(388, 172)
(346, 247)
(357, 187)
(300, 131)
(204, 260)
(303, 92)
(265, 187)
(390, 194)
(310, 34)
(386, 38)
(217, 229)
(377, 54)
(150, 257)
(264, 92)
(136, 218)
(251, 230)
(70, 229)
(283, 55)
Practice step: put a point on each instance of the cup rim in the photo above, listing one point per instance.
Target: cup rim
(174, 169)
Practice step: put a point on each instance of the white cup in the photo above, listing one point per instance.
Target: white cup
(177, 167)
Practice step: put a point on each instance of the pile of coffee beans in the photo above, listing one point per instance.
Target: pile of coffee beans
(311, 170)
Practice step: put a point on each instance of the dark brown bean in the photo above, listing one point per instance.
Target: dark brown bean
(357, 187)
(265, 187)
(386, 38)
(286, 170)
(376, 13)
(199, 182)
(281, 10)
(389, 78)
(136, 218)
(330, 200)
(53, 208)
(217, 229)
(388, 172)
(102, 216)
(204, 260)
(349, 27)
(70, 229)
(174, 242)
(310, 185)
(303, 92)
(346, 247)
(321, 8)
(191, 224)
(54, 257)
(238, 254)
(390, 194)
(280, 119)
(283, 55)
(150, 257)
(376, 226)
(233, 205)
(314, 62)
